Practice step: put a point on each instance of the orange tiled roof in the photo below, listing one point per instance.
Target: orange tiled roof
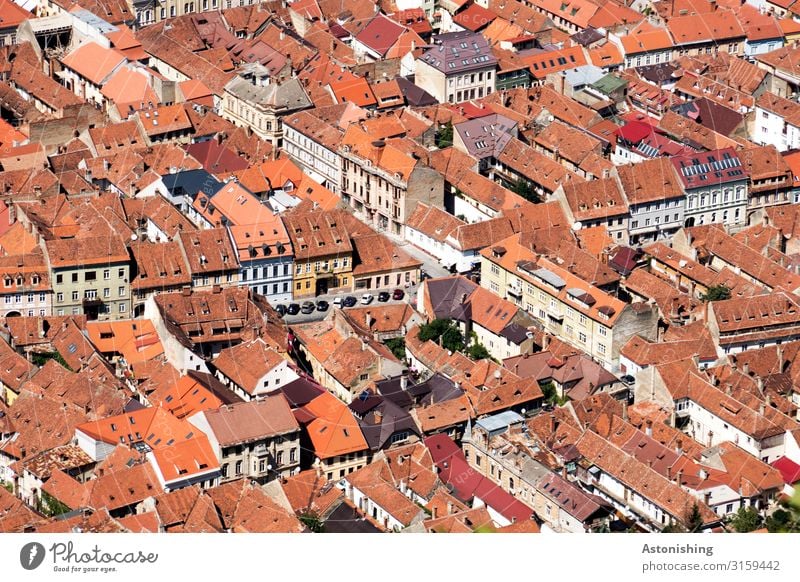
(334, 430)
(94, 62)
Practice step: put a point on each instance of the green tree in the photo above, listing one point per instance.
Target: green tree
(746, 520)
(398, 347)
(453, 340)
(477, 351)
(433, 330)
(787, 518)
(780, 522)
(550, 392)
(523, 188)
(444, 137)
(445, 332)
(40, 359)
(694, 519)
(312, 521)
(717, 293)
(49, 506)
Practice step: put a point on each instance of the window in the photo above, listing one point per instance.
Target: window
(495, 269)
(582, 337)
(106, 274)
(122, 291)
(292, 455)
(90, 276)
(238, 468)
(601, 348)
(279, 459)
(59, 279)
(74, 295)
(122, 308)
(107, 292)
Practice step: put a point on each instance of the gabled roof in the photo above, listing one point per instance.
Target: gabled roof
(334, 430)
(252, 421)
(94, 62)
(716, 26)
(380, 34)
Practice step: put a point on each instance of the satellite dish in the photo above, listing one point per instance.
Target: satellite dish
(134, 236)
(577, 225)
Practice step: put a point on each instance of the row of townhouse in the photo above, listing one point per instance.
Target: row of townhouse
(566, 306)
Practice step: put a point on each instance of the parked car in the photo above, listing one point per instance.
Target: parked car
(383, 296)
(308, 307)
(293, 309)
(367, 298)
(281, 309)
(322, 305)
(349, 301)
(398, 294)
(337, 301)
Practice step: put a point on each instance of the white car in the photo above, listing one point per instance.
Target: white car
(367, 298)
(337, 301)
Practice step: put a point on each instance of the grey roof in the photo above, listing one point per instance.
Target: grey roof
(94, 21)
(415, 96)
(515, 333)
(447, 297)
(457, 52)
(436, 388)
(585, 75)
(498, 423)
(587, 36)
(192, 182)
(550, 278)
(345, 519)
(657, 74)
(393, 419)
(301, 391)
(288, 95)
(486, 136)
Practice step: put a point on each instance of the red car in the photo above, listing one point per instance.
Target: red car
(398, 294)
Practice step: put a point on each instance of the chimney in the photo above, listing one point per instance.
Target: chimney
(679, 476)
(433, 512)
(216, 289)
(186, 291)
(378, 415)
(368, 319)
(669, 473)
(679, 446)
(746, 368)
(761, 408)
(545, 342)
(649, 430)
(449, 507)
(625, 411)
